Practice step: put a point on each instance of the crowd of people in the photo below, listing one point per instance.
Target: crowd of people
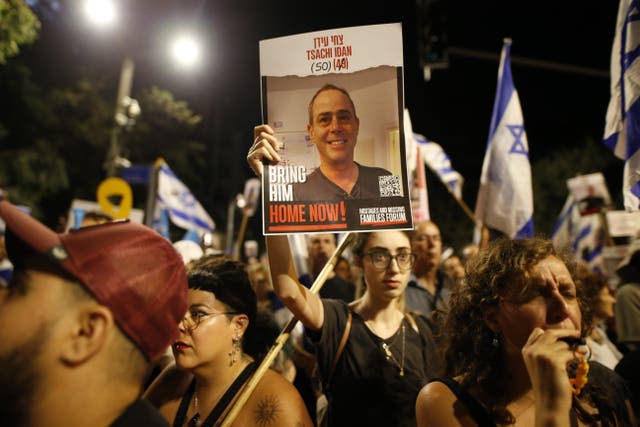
(108, 325)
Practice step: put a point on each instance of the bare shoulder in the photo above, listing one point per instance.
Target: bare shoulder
(436, 405)
(170, 385)
(274, 402)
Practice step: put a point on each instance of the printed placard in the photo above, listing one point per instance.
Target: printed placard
(335, 100)
(590, 192)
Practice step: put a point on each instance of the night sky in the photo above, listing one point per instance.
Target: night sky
(561, 109)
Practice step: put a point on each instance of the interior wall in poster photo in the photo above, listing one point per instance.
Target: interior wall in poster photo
(335, 101)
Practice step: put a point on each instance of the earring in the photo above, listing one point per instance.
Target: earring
(234, 350)
(495, 342)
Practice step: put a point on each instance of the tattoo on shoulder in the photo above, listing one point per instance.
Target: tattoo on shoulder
(267, 411)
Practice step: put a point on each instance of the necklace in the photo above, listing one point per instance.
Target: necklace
(195, 420)
(389, 355)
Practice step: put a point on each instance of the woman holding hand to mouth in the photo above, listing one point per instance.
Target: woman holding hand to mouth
(513, 352)
(387, 356)
(222, 309)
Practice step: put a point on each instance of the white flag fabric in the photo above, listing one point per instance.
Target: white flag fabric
(583, 235)
(622, 129)
(565, 228)
(439, 162)
(417, 176)
(183, 209)
(589, 241)
(505, 197)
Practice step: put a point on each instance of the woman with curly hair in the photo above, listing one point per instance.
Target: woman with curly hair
(513, 352)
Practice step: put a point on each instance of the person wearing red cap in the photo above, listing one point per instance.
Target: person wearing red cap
(82, 319)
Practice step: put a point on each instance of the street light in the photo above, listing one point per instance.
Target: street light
(185, 50)
(101, 12)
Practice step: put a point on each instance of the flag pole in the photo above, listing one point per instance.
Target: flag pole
(245, 393)
(465, 208)
(605, 227)
(241, 232)
(152, 192)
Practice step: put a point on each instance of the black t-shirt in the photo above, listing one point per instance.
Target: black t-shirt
(333, 288)
(319, 187)
(367, 389)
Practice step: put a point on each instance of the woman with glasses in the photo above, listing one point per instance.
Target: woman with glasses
(373, 357)
(211, 347)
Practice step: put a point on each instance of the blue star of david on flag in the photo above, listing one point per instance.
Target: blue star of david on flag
(505, 198)
(518, 146)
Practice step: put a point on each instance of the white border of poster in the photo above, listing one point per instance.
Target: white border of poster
(366, 62)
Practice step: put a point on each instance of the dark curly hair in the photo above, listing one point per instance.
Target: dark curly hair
(468, 349)
(589, 285)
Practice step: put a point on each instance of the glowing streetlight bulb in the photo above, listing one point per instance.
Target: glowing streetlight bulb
(101, 12)
(186, 51)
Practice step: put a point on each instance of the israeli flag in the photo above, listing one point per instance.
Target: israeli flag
(439, 162)
(160, 221)
(505, 197)
(622, 128)
(183, 209)
(589, 241)
(565, 228)
(582, 235)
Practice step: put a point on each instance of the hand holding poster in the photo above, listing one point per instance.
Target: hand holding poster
(333, 103)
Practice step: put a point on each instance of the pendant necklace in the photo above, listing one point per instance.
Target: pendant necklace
(389, 355)
(195, 420)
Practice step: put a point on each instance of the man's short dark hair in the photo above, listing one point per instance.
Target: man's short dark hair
(325, 88)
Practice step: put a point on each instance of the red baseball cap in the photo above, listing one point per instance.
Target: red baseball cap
(127, 267)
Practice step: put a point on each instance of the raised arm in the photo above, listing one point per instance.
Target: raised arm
(304, 304)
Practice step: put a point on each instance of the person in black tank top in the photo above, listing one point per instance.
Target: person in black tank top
(211, 348)
(514, 347)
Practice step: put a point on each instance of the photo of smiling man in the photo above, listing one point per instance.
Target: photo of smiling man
(333, 128)
(331, 149)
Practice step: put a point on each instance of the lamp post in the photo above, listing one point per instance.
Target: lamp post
(185, 51)
(127, 109)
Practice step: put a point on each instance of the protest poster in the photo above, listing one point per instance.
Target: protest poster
(623, 223)
(335, 101)
(590, 192)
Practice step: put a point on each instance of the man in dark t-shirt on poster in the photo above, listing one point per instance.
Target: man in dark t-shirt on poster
(333, 127)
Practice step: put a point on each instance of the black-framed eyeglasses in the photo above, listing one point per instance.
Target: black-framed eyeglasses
(191, 321)
(381, 260)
